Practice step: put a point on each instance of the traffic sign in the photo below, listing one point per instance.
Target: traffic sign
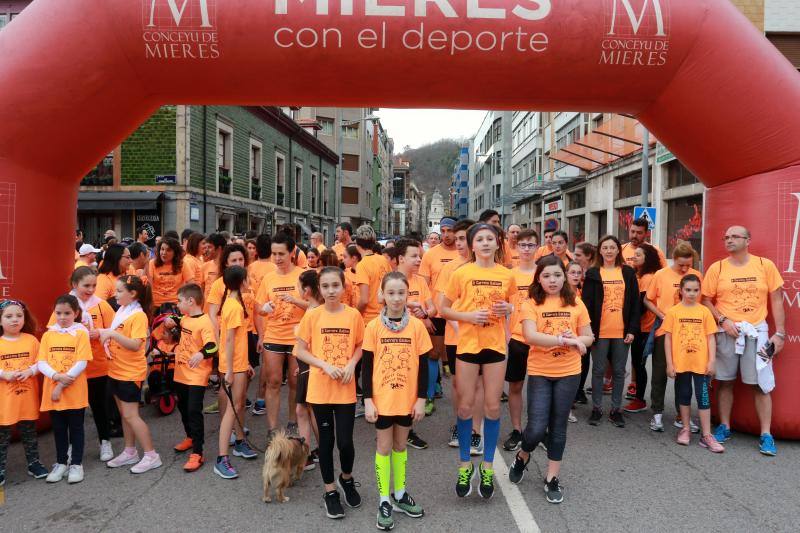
(647, 213)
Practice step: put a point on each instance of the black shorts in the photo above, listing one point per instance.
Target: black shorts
(124, 391)
(450, 349)
(484, 357)
(385, 422)
(279, 348)
(439, 323)
(252, 354)
(302, 382)
(517, 367)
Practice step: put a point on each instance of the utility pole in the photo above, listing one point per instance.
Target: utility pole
(646, 169)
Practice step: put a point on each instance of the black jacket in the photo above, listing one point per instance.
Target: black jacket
(592, 295)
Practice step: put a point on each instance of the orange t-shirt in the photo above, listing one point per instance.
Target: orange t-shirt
(522, 282)
(19, 400)
(628, 250)
(129, 365)
(542, 251)
(256, 272)
(106, 286)
(741, 293)
(663, 290)
(472, 288)
(339, 248)
(395, 367)
(216, 294)
(196, 332)
(418, 290)
(612, 325)
(62, 351)
(511, 255)
(370, 271)
(232, 317)
(434, 260)
(648, 318)
(554, 318)
(351, 294)
(450, 337)
(690, 326)
(164, 284)
(102, 317)
(196, 265)
(333, 338)
(279, 325)
(141, 274)
(80, 263)
(209, 272)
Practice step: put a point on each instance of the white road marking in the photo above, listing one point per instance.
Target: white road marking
(516, 503)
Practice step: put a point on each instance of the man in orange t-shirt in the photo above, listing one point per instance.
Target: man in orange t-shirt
(547, 247)
(432, 264)
(369, 273)
(737, 290)
(638, 233)
(344, 232)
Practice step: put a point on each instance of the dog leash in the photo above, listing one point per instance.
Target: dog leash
(236, 416)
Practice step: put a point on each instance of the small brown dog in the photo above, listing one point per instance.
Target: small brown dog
(283, 463)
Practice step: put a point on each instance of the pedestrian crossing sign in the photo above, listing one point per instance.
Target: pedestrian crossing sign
(647, 213)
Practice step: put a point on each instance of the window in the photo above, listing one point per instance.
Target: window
(224, 160)
(280, 179)
(577, 229)
(602, 224)
(498, 130)
(678, 175)
(314, 182)
(327, 125)
(624, 219)
(398, 194)
(3, 20)
(325, 194)
(685, 222)
(298, 187)
(576, 200)
(350, 131)
(497, 194)
(350, 195)
(102, 174)
(255, 169)
(498, 162)
(350, 162)
(630, 185)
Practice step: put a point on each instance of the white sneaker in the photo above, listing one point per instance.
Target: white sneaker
(147, 463)
(57, 473)
(656, 424)
(694, 428)
(572, 417)
(123, 459)
(75, 474)
(106, 451)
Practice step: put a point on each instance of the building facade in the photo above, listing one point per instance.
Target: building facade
(212, 168)
(459, 183)
(417, 212)
(490, 166)
(382, 148)
(401, 178)
(435, 212)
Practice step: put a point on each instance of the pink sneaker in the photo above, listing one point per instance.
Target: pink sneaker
(123, 459)
(708, 441)
(147, 463)
(684, 437)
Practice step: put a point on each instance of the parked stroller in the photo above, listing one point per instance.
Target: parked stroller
(161, 365)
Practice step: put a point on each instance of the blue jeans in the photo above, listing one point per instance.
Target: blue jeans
(549, 402)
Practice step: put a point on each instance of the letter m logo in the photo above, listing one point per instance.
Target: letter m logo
(626, 21)
(179, 14)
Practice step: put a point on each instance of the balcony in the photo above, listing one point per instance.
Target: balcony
(224, 181)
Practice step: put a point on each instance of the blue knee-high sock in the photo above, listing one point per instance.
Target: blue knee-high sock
(433, 375)
(464, 437)
(491, 432)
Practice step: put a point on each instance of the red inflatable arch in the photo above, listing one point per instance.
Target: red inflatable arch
(77, 77)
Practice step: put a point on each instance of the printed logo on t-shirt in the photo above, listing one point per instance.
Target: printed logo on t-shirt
(613, 295)
(690, 334)
(556, 323)
(487, 293)
(745, 294)
(336, 346)
(17, 388)
(393, 362)
(283, 311)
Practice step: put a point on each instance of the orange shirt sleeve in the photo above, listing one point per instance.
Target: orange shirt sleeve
(711, 280)
(44, 347)
(83, 350)
(583, 315)
(138, 326)
(187, 272)
(669, 321)
(106, 315)
(774, 278)
(453, 289)
(425, 265)
(652, 290)
(370, 336)
(362, 273)
(304, 329)
(358, 327)
(709, 324)
(423, 339)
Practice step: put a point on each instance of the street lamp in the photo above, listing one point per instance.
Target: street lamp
(340, 174)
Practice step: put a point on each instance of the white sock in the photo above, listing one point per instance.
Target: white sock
(398, 494)
(385, 499)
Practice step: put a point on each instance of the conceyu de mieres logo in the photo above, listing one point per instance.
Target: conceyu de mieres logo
(636, 33)
(180, 29)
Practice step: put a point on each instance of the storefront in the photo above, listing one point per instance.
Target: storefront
(122, 211)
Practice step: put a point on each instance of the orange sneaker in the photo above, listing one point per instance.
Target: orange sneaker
(184, 445)
(195, 462)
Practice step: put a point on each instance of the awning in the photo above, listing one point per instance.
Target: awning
(306, 230)
(114, 200)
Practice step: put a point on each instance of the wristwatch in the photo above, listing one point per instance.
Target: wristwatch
(721, 319)
(781, 334)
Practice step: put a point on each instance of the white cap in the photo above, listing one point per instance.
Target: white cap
(87, 249)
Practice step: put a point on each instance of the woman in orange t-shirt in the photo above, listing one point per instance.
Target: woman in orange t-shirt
(19, 389)
(556, 325)
(125, 342)
(63, 354)
(116, 262)
(611, 294)
(313, 258)
(647, 262)
(329, 340)
(167, 273)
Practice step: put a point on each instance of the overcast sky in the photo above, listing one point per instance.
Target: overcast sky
(417, 127)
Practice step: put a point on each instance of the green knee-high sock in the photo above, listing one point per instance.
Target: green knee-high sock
(399, 460)
(383, 471)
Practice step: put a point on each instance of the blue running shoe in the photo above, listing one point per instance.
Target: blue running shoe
(767, 445)
(225, 469)
(722, 433)
(242, 449)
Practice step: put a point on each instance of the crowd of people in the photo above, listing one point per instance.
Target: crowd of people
(361, 329)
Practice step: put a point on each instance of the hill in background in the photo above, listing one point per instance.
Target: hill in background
(432, 164)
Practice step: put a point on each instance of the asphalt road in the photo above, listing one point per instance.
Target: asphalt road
(615, 479)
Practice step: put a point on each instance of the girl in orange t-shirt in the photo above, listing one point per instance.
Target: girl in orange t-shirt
(116, 261)
(351, 257)
(63, 353)
(395, 384)
(167, 273)
(691, 347)
(19, 389)
(125, 342)
(329, 340)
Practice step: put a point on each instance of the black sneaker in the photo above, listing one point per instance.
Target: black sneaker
(616, 418)
(351, 496)
(2, 478)
(518, 468)
(248, 403)
(385, 520)
(415, 442)
(552, 490)
(37, 470)
(315, 455)
(581, 397)
(464, 483)
(486, 486)
(513, 442)
(595, 417)
(333, 505)
(504, 397)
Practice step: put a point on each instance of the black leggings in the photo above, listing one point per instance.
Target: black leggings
(638, 362)
(190, 405)
(68, 429)
(586, 363)
(98, 401)
(338, 418)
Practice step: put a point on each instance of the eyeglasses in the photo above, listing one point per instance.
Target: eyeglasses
(526, 245)
(732, 237)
